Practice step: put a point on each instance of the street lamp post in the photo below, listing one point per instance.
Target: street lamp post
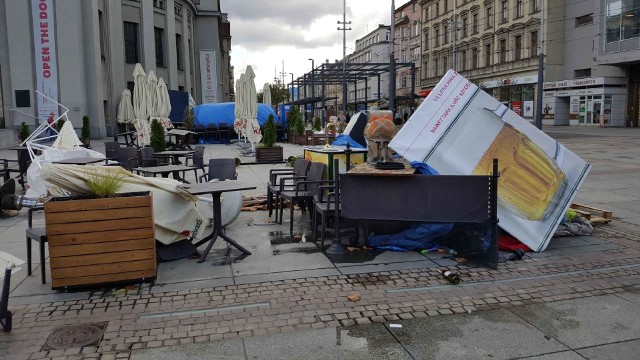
(313, 88)
(344, 29)
(292, 99)
(392, 60)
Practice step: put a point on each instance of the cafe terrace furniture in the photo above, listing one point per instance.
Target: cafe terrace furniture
(96, 241)
(128, 139)
(302, 191)
(216, 189)
(148, 158)
(197, 160)
(38, 234)
(221, 169)
(299, 171)
(79, 161)
(326, 155)
(424, 198)
(165, 170)
(175, 155)
(128, 157)
(182, 139)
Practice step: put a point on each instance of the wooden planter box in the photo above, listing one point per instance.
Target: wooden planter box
(269, 154)
(97, 241)
(297, 139)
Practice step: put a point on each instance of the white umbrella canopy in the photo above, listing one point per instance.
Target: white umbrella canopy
(125, 109)
(266, 94)
(152, 102)
(140, 106)
(162, 98)
(239, 123)
(253, 133)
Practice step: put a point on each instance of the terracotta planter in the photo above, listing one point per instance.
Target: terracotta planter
(97, 241)
(269, 154)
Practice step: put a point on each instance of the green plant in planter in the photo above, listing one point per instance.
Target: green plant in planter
(298, 125)
(317, 124)
(291, 161)
(24, 131)
(157, 141)
(59, 125)
(188, 118)
(269, 134)
(104, 184)
(85, 133)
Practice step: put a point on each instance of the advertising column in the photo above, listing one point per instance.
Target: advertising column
(45, 52)
(208, 76)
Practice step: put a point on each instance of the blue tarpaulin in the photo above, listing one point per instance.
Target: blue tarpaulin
(219, 113)
(424, 236)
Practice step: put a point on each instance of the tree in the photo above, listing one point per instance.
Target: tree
(157, 141)
(269, 133)
(317, 124)
(85, 133)
(279, 92)
(24, 131)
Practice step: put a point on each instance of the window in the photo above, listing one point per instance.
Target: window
(179, 56)
(463, 60)
(582, 73)
(487, 55)
(534, 44)
(403, 56)
(425, 67)
(488, 18)
(102, 33)
(177, 9)
(445, 34)
(131, 51)
(436, 67)
(631, 23)
(474, 26)
(445, 64)
(504, 11)
(474, 58)
(438, 8)
(584, 20)
(425, 43)
(464, 27)
(518, 47)
(437, 37)
(446, 6)
(503, 51)
(415, 28)
(191, 63)
(519, 11)
(535, 6)
(159, 4)
(403, 81)
(158, 35)
(415, 6)
(416, 54)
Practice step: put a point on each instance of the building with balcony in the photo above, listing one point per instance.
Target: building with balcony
(408, 34)
(83, 52)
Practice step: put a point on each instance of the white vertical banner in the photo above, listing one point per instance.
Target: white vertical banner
(44, 42)
(208, 76)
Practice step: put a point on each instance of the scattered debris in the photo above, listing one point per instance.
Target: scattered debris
(354, 297)
(594, 215)
(397, 326)
(352, 249)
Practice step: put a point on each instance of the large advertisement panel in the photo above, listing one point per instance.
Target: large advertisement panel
(44, 42)
(208, 76)
(459, 129)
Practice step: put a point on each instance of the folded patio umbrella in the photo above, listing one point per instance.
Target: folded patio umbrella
(125, 109)
(174, 211)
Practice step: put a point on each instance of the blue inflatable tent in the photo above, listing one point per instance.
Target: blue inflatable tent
(225, 113)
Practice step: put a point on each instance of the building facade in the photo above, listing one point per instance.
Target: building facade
(371, 48)
(83, 53)
(408, 31)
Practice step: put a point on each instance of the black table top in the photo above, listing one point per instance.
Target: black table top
(163, 169)
(215, 187)
(79, 161)
(175, 153)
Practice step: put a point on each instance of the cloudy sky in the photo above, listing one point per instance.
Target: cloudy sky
(266, 32)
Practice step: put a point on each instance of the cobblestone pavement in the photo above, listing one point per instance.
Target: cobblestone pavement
(139, 319)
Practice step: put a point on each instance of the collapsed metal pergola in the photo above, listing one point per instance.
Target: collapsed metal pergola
(345, 74)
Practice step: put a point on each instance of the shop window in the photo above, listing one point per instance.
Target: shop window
(584, 20)
(582, 73)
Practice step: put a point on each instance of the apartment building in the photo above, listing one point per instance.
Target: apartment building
(371, 48)
(83, 52)
(408, 33)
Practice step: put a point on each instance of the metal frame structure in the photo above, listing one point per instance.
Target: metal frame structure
(334, 74)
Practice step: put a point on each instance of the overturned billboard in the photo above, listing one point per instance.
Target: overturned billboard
(459, 129)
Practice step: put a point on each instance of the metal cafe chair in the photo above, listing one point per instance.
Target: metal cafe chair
(299, 170)
(303, 191)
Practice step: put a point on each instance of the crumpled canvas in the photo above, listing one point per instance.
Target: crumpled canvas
(578, 226)
(174, 211)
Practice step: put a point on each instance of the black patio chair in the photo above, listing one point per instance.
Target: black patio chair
(221, 169)
(19, 166)
(224, 131)
(212, 131)
(325, 201)
(128, 157)
(303, 191)
(111, 149)
(197, 161)
(279, 131)
(148, 158)
(298, 171)
(38, 234)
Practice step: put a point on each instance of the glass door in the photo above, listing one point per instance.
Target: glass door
(597, 107)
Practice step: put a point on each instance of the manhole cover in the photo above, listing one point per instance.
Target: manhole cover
(75, 336)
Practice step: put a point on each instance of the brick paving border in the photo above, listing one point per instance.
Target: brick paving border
(320, 302)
